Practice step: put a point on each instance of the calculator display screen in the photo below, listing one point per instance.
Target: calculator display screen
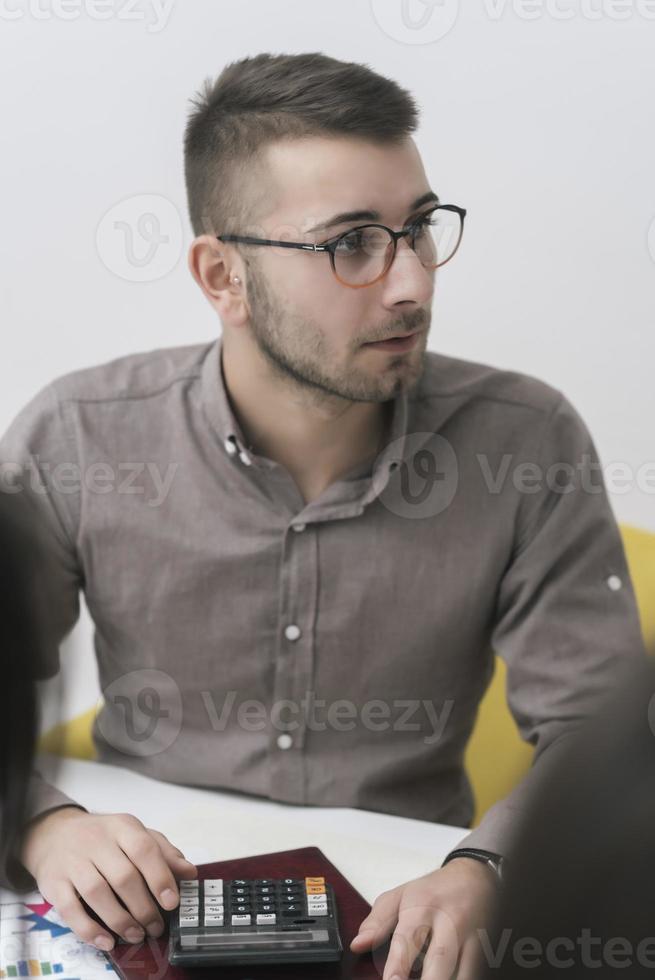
(278, 939)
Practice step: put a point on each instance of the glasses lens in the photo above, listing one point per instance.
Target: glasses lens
(437, 238)
(362, 255)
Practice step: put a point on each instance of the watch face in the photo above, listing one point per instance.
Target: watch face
(495, 861)
(497, 865)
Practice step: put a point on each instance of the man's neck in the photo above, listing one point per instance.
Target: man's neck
(317, 438)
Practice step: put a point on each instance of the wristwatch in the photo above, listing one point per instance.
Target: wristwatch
(495, 861)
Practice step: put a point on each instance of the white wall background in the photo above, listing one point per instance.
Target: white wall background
(537, 116)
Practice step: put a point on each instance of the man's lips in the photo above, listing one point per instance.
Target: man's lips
(399, 336)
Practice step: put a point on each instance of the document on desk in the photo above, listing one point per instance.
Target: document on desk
(35, 942)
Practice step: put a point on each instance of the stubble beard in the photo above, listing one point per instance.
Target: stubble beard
(298, 354)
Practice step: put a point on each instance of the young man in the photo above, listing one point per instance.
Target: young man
(343, 518)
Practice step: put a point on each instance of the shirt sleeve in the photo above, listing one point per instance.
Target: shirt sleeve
(566, 623)
(38, 460)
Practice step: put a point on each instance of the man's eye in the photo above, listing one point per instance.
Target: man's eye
(425, 222)
(349, 243)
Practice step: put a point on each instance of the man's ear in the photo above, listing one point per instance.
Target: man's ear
(219, 272)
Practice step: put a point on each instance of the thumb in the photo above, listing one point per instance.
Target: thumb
(378, 925)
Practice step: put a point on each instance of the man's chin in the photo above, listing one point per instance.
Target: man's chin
(394, 383)
(404, 371)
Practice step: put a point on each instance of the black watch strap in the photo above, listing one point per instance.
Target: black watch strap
(495, 861)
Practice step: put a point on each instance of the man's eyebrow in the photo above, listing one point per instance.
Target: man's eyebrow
(346, 216)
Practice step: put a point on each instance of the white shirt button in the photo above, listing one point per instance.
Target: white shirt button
(299, 527)
(245, 458)
(230, 448)
(292, 632)
(284, 741)
(614, 583)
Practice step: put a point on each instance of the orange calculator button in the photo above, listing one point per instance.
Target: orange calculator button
(315, 889)
(314, 881)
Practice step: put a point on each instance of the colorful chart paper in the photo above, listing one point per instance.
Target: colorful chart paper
(35, 942)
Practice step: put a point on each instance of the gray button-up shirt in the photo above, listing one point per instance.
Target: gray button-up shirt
(332, 652)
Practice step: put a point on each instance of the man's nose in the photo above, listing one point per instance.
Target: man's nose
(407, 279)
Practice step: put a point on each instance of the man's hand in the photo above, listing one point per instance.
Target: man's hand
(438, 913)
(103, 858)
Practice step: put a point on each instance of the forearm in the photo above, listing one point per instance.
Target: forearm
(500, 823)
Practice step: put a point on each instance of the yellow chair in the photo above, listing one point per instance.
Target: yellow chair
(71, 738)
(496, 756)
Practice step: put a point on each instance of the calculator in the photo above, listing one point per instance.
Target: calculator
(254, 920)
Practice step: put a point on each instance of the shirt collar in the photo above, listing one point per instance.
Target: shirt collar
(219, 411)
(217, 403)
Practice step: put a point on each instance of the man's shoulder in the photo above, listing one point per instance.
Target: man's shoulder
(446, 379)
(132, 376)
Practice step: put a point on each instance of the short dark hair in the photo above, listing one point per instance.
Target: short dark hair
(265, 98)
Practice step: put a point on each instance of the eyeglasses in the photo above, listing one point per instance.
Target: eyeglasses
(362, 255)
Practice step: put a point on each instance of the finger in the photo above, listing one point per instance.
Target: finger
(179, 864)
(441, 957)
(379, 923)
(413, 930)
(146, 854)
(92, 885)
(126, 881)
(374, 932)
(65, 900)
(471, 960)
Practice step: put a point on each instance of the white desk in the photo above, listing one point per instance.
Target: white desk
(374, 851)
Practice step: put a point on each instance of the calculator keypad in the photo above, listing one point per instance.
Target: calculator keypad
(250, 902)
